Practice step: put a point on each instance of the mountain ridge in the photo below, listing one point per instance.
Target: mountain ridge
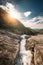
(12, 24)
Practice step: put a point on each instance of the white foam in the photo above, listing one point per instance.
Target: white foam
(26, 54)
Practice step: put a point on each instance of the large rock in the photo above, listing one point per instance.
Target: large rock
(9, 47)
(35, 44)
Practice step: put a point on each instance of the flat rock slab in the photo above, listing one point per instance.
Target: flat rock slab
(35, 44)
(9, 47)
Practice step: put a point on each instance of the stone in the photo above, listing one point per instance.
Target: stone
(35, 44)
(9, 47)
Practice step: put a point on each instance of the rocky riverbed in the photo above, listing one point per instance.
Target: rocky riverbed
(35, 44)
(15, 50)
(9, 47)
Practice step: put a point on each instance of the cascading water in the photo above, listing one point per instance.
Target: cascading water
(25, 56)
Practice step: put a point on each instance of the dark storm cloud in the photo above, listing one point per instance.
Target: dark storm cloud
(3, 2)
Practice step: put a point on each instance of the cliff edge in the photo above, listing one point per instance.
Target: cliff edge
(9, 47)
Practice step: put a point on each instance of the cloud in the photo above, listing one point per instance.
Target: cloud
(4, 1)
(27, 13)
(36, 22)
(37, 19)
(10, 8)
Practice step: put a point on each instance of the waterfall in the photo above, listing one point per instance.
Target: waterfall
(25, 56)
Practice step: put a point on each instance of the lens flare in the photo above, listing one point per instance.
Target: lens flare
(12, 11)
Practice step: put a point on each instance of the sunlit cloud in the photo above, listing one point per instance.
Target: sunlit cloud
(27, 13)
(34, 22)
(10, 8)
(37, 19)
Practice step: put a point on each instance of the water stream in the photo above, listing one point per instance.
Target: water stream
(25, 56)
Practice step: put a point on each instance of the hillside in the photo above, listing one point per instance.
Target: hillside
(6, 22)
(41, 31)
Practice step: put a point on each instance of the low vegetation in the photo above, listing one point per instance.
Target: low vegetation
(13, 25)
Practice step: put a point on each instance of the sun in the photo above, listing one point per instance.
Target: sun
(11, 9)
(14, 13)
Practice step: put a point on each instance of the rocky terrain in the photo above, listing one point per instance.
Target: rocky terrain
(9, 47)
(11, 30)
(35, 44)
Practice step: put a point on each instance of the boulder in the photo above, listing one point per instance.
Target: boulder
(35, 44)
(9, 47)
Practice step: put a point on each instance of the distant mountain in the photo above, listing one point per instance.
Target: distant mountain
(12, 24)
(40, 31)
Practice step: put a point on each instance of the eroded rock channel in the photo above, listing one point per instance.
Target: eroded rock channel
(31, 51)
(35, 44)
(25, 56)
(9, 47)
(20, 50)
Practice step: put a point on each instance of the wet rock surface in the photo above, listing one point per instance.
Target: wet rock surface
(9, 47)
(35, 44)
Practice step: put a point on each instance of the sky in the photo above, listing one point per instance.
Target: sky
(30, 12)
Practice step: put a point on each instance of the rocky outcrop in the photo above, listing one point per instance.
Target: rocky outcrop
(35, 44)
(9, 47)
